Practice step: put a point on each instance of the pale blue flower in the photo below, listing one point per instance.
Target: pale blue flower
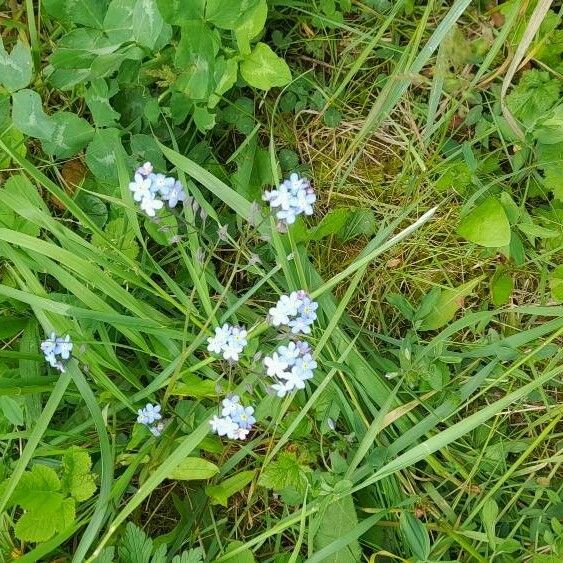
(175, 194)
(161, 184)
(293, 197)
(290, 352)
(64, 347)
(145, 170)
(300, 324)
(49, 345)
(304, 367)
(156, 429)
(149, 414)
(230, 405)
(235, 421)
(150, 205)
(141, 187)
(229, 341)
(243, 417)
(57, 349)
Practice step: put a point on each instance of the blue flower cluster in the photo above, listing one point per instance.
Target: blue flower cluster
(235, 421)
(292, 198)
(57, 349)
(290, 366)
(296, 310)
(229, 341)
(152, 190)
(150, 416)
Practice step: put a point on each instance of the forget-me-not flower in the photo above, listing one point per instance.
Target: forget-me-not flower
(235, 421)
(229, 341)
(57, 349)
(292, 197)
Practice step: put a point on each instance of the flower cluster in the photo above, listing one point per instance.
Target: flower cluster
(290, 366)
(57, 349)
(293, 197)
(152, 190)
(150, 416)
(296, 310)
(235, 421)
(228, 341)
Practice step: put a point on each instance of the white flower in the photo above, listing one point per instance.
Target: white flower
(280, 389)
(141, 187)
(294, 381)
(150, 205)
(230, 405)
(281, 198)
(231, 351)
(275, 366)
(219, 341)
(223, 426)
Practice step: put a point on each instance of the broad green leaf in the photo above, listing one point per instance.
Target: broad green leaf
(145, 148)
(225, 76)
(28, 115)
(194, 468)
(100, 154)
(285, 471)
(80, 48)
(117, 237)
(118, 21)
(38, 489)
(534, 95)
(147, 23)
(40, 525)
(192, 386)
(12, 410)
(220, 493)
(263, 69)
(72, 134)
(556, 283)
(195, 56)
(489, 514)
(243, 556)
(416, 536)
(84, 12)
(486, 225)
(550, 130)
(550, 159)
(162, 228)
(176, 12)
(97, 100)
(16, 68)
(249, 25)
(330, 224)
(361, 222)
(204, 119)
(447, 304)
(501, 288)
(225, 14)
(77, 479)
(336, 520)
(93, 206)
